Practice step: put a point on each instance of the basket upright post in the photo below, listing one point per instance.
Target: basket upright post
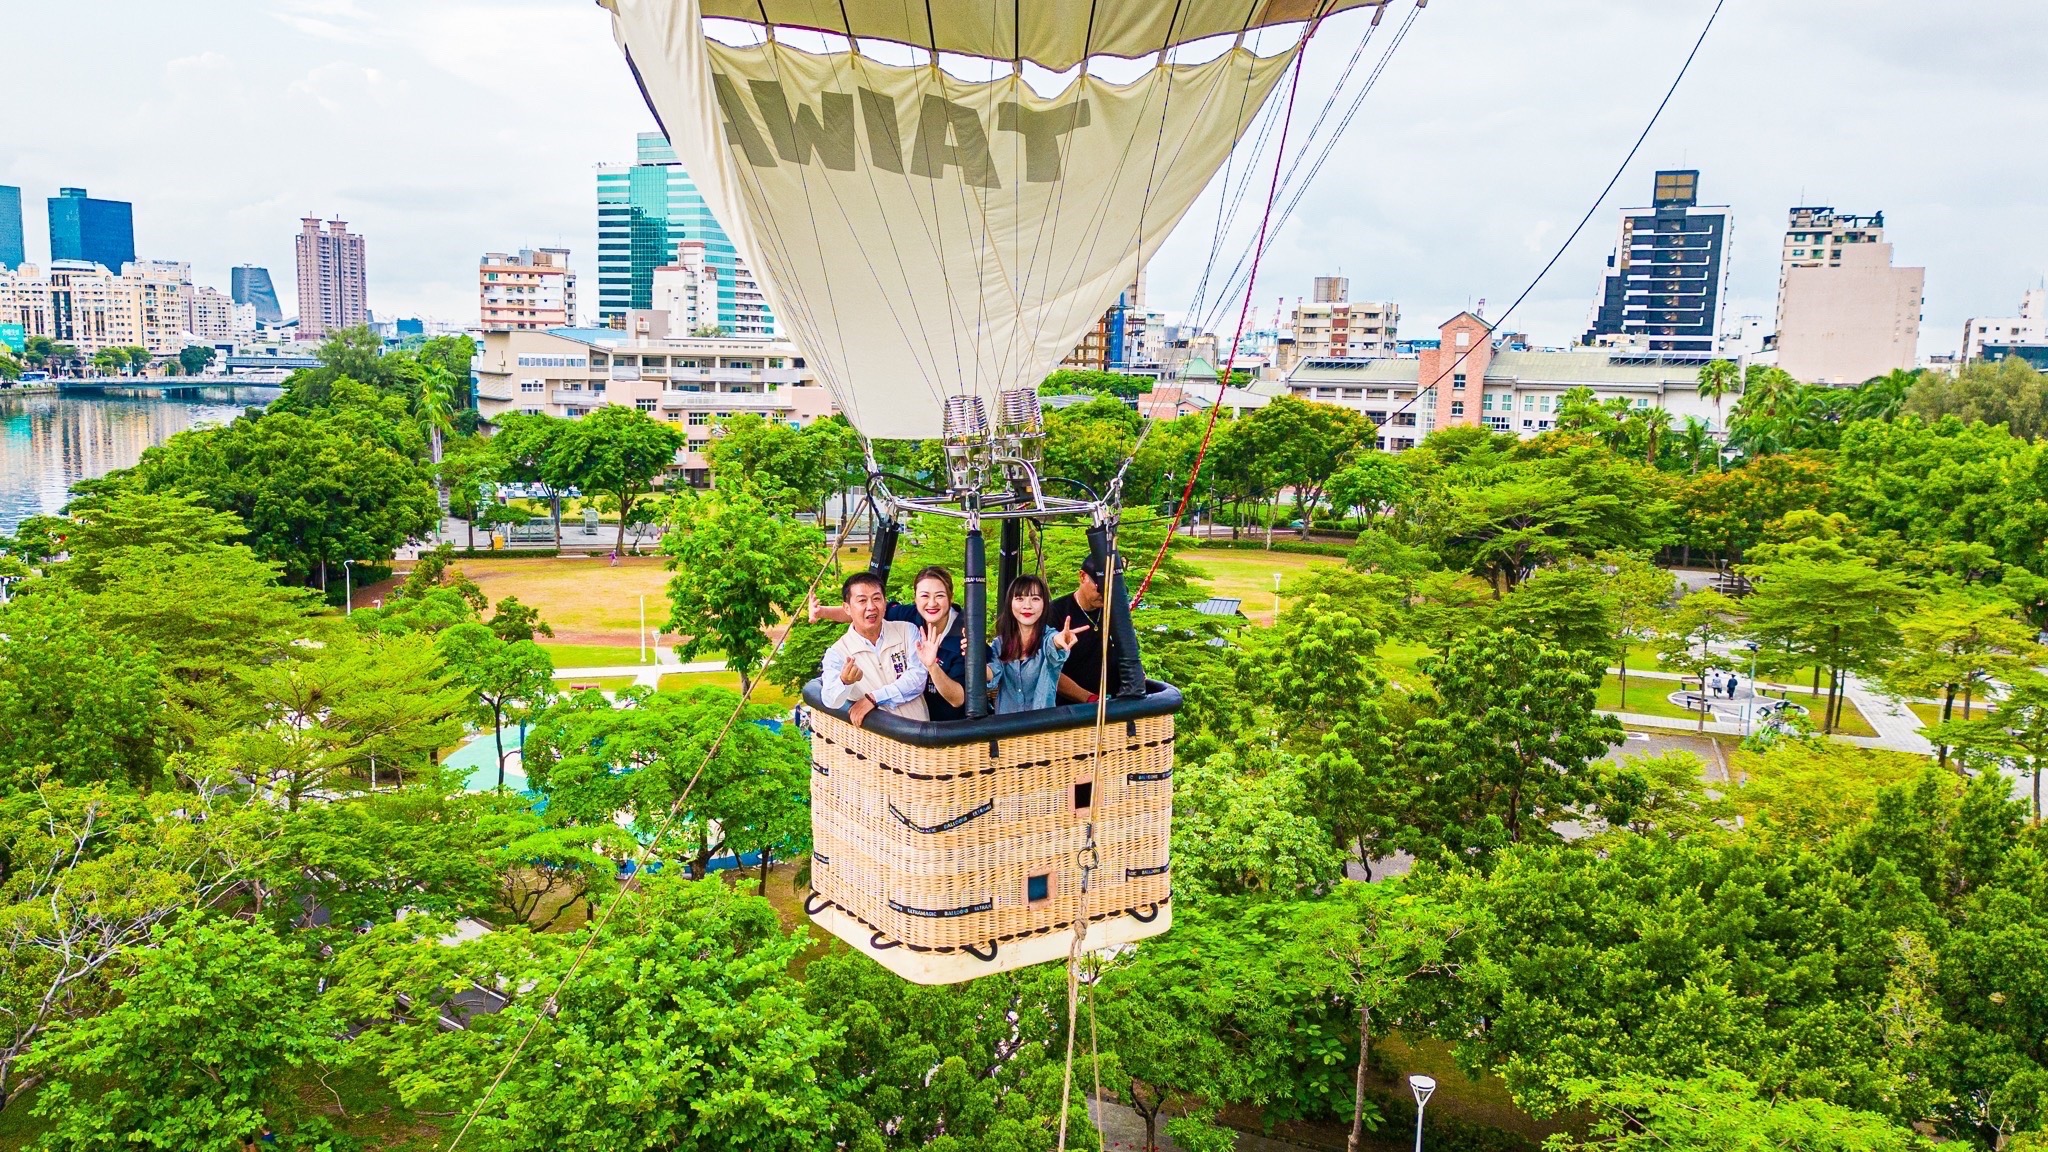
(884, 548)
(975, 570)
(1009, 558)
(1127, 665)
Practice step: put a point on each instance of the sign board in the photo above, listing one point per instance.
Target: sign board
(14, 336)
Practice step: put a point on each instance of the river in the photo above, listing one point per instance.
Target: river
(48, 442)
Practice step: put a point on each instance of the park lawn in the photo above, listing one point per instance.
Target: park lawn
(1248, 576)
(601, 683)
(1853, 722)
(1646, 697)
(764, 692)
(593, 655)
(584, 601)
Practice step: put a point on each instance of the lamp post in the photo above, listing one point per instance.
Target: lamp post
(1276, 597)
(1422, 1086)
(1749, 709)
(348, 585)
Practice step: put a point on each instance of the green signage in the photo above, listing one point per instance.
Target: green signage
(14, 336)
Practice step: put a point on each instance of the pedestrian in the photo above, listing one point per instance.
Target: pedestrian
(615, 557)
(875, 664)
(1029, 653)
(1733, 681)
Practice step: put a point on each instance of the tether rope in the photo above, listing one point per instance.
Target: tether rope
(1230, 365)
(596, 928)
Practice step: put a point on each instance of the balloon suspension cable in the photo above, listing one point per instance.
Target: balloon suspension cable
(1243, 315)
(1424, 389)
(552, 1003)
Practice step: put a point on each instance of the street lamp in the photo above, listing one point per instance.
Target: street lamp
(1749, 709)
(1422, 1086)
(1276, 597)
(348, 585)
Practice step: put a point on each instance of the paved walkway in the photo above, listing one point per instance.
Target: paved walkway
(1897, 728)
(644, 675)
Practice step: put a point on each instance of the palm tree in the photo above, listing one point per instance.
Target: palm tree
(1656, 422)
(1617, 431)
(1578, 410)
(434, 408)
(1717, 379)
(1883, 397)
(1695, 441)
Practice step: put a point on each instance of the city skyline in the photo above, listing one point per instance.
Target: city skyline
(416, 146)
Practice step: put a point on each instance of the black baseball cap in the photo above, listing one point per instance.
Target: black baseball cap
(1093, 567)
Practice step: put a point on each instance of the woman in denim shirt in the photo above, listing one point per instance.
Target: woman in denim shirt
(1028, 655)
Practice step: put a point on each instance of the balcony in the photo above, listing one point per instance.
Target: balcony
(496, 390)
(724, 402)
(776, 376)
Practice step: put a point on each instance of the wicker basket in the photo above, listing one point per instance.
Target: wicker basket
(947, 861)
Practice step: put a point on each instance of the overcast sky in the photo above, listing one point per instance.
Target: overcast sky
(442, 129)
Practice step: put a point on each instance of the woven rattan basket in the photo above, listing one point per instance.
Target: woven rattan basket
(963, 853)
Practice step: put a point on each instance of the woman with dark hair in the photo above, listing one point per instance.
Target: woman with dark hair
(1028, 654)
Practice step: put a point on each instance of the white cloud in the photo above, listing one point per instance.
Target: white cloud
(446, 128)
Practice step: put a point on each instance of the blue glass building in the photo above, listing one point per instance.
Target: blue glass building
(12, 253)
(97, 231)
(249, 284)
(644, 210)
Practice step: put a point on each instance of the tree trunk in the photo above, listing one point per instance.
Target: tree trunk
(1358, 1079)
(498, 735)
(1622, 666)
(624, 507)
(555, 505)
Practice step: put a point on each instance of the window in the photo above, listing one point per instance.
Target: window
(531, 386)
(1464, 338)
(1084, 794)
(1457, 381)
(1528, 403)
(1038, 889)
(1642, 402)
(533, 361)
(1544, 406)
(644, 405)
(1486, 402)
(1457, 407)
(699, 419)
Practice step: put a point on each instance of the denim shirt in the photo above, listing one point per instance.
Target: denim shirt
(1025, 685)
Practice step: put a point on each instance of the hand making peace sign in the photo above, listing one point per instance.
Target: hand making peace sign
(1064, 639)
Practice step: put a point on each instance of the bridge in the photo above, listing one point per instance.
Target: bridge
(170, 385)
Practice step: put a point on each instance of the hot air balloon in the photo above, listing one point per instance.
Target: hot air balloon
(940, 199)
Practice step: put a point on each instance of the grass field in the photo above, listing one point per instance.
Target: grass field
(601, 683)
(764, 692)
(593, 655)
(1646, 696)
(584, 601)
(1248, 576)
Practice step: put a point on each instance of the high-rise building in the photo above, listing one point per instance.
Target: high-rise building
(98, 232)
(644, 210)
(83, 304)
(1332, 325)
(211, 316)
(249, 284)
(534, 289)
(12, 252)
(1844, 313)
(331, 275)
(1669, 273)
(1120, 339)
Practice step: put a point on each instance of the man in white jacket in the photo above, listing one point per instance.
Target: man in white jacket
(875, 664)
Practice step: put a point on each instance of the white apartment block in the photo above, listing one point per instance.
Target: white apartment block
(1844, 313)
(688, 290)
(692, 381)
(2029, 327)
(1333, 326)
(210, 316)
(1506, 390)
(532, 290)
(148, 305)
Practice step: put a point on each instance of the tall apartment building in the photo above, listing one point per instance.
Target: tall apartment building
(83, 304)
(532, 290)
(687, 290)
(13, 254)
(1669, 272)
(1844, 313)
(211, 316)
(2029, 328)
(96, 231)
(644, 210)
(1119, 340)
(251, 285)
(1331, 325)
(332, 294)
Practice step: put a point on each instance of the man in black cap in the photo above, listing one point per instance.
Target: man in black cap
(1081, 679)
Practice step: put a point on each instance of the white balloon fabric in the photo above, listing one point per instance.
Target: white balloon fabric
(923, 236)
